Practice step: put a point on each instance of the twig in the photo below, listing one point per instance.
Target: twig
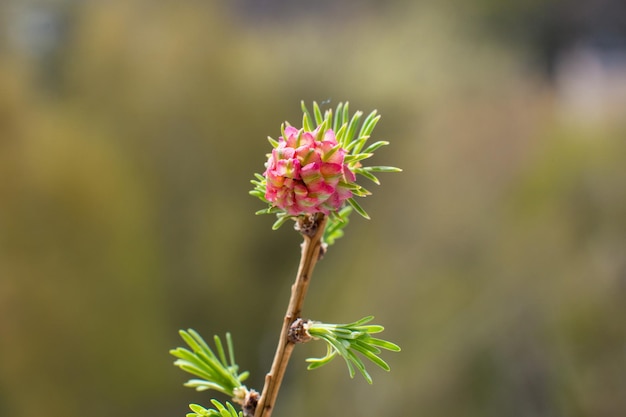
(312, 228)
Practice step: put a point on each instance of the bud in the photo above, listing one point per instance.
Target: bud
(305, 175)
(313, 170)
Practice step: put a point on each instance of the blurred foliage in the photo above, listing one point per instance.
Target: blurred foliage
(496, 259)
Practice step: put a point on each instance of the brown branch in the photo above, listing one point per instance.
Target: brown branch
(312, 228)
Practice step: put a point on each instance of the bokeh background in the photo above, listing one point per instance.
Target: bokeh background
(129, 131)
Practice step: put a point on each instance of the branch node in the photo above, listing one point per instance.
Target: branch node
(308, 224)
(250, 403)
(298, 332)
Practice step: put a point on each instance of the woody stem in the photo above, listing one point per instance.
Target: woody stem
(312, 228)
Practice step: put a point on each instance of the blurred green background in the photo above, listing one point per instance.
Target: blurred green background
(129, 131)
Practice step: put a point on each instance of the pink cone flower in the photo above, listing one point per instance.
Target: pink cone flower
(306, 176)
